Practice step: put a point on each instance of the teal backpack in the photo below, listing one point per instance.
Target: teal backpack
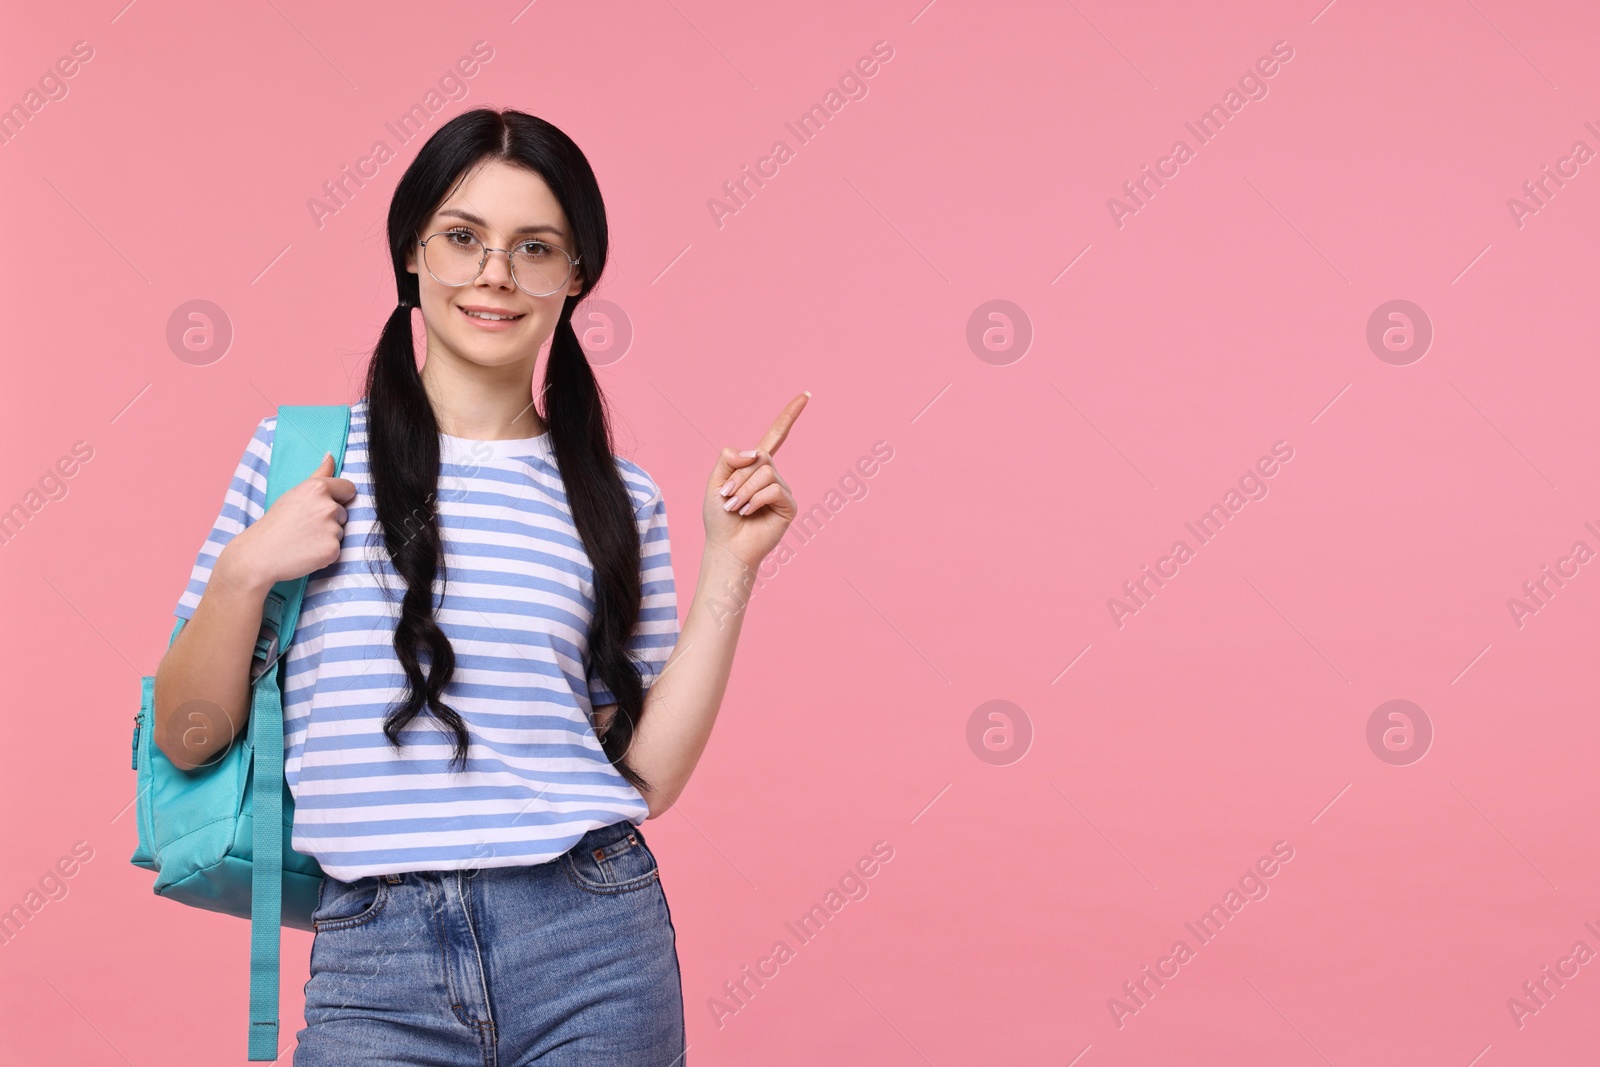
(197, 829)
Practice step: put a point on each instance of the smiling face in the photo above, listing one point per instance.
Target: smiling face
(508, 207)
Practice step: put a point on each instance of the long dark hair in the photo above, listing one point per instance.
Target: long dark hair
(403, 436)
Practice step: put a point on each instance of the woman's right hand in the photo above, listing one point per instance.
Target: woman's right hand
(300, 533)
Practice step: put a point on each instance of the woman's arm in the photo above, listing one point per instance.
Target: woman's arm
(202, 690)
(681, 705)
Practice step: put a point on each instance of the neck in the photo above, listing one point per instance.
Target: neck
(490, 404)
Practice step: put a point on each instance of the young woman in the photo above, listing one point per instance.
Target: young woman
(488, 692)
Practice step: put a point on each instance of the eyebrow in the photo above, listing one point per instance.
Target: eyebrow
(468, 216)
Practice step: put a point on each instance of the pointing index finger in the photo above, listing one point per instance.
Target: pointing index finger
(779, 430)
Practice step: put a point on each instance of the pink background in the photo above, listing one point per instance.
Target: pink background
(1227, 314)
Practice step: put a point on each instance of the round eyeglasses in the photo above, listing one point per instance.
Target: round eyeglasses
(537, 268)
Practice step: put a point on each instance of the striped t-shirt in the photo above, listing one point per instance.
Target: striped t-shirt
(515, 596)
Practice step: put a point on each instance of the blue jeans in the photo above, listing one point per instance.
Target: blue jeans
(568, 962)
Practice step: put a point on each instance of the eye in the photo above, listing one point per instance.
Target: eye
(535, 249)
(461, 237)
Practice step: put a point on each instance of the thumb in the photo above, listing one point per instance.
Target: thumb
(342, 489)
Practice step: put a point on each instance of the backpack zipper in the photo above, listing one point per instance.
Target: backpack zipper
(138, 719)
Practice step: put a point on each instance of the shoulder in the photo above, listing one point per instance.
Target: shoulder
(643, 492)
(258, 451)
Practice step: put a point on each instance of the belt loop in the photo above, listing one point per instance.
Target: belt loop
(392, 879)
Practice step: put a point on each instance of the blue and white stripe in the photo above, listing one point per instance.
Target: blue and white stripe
(515, 598)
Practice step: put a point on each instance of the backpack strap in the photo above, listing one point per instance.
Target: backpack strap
(302, 435)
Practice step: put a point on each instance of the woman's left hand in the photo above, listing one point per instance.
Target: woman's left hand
(763, 507)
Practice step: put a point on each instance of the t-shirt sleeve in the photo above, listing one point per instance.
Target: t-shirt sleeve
(244, 503)
(657, 631)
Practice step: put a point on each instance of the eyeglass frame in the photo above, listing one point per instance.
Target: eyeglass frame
(483, 261)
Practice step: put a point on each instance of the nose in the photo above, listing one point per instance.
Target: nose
(497, 269)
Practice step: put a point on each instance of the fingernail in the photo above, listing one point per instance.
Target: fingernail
(748, 454)
(732, 501)
(727, 485)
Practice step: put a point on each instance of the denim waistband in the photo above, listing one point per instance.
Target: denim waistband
(598, 838)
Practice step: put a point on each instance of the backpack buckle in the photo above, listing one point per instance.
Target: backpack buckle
(266, 655)
(268, 648)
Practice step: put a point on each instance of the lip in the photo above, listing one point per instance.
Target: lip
(486, 324)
